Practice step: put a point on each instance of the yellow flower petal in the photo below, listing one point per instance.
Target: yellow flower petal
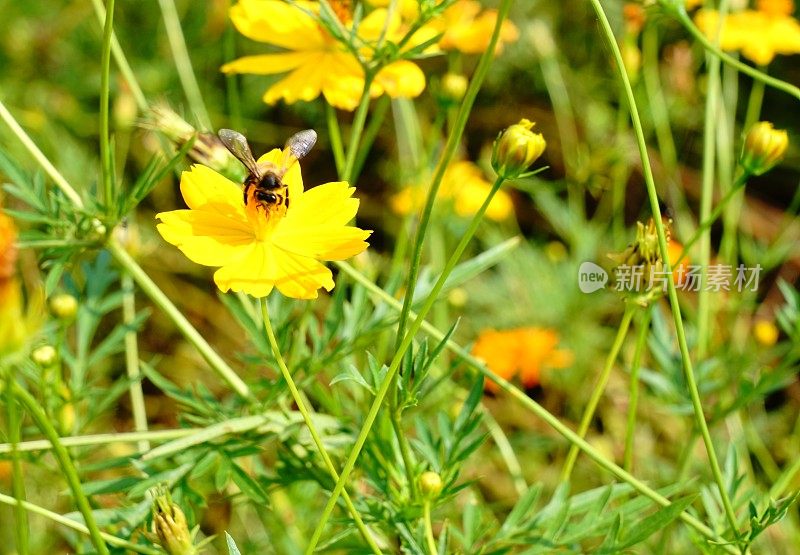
(202, 187)
(304, 83)
(264, 266)
(206, 237)
(331, 203)
(401, 79)
(279, 23)
(268, 64)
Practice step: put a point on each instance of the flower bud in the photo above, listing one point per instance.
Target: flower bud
(766, 333)
(458, 297)
(430, 484)
(453, 88)
(515, 149)
(170, 527)
(63, 306)
(44, 356)
(764, 147)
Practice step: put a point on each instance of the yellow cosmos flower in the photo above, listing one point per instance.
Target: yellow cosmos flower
(522, 352)
(256, 250)
(468, 29)
(464, 184)
(760, 34)
(315, 61)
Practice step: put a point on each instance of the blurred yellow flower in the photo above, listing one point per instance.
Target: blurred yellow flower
(315, 61)
(468, 29)
(521, 352)
(764, 146)
(759, 34)
(464, 184)
(256, 250)
(766, 333)
(12, 331)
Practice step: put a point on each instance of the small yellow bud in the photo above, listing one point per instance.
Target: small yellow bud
(454, 87)
(430, 484)
(764, 147)
(44, 356)
(170, 527)
(458, 297)
(63, 306)
(766, 333)
(516, 149)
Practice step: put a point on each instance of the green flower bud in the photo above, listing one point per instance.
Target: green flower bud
(453, 87)
(516, 149)
(764, 147)
(63, 306)
(170, 527)
(44, 356)
(430, 484)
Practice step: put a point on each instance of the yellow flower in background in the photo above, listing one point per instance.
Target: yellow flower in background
(764, 146)
(12, 331)
(465, 185)
(759, 34)
(766, 333)
(520, 352)
(468, 29)
(315, 61)
(256, 250)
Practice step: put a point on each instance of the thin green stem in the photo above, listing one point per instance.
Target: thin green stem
(21, 530)
(100, 439)
(233, 96)
(40, 158)
(405, 450)
(183, 63)
(453, 140)
(370, 134)
(647, 170)
(633, 398)
(357, 129)
(301, 406)
(65, 461)
(505, 448)
(335, 137)
(426, 519)
(132, 361)
(121, 60)
(189, 332)
(77, 526)
(105, 76)
(539, 411)
(597, 392)
(713, 216)
(394, 365)
(686, 21)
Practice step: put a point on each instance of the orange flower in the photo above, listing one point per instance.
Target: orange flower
(674, 250)
(11, 320)
(522, 352)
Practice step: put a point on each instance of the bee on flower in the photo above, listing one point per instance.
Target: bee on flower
(261, 242)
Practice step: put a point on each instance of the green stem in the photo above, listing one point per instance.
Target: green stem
(183, 63)
(633, 399)
(687, 22)
(132, 361)
(335, 137)
(691, 382)
(715, 214)
(301, 406)
(100, 439)
(77, 526)
(189, 332)
(65, 461)
(597, 393)
(105, 71)
(542, 413)
(453, 140)
(122, 61)
(405, 451)
(426, 518)
(357, 128)
(21, 530)
(40, 158)
(370, 134)
(505, 449)
(394, 366)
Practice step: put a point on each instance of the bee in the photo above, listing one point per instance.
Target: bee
(264, 182)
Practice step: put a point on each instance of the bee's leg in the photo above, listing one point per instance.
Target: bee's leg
(246, 190)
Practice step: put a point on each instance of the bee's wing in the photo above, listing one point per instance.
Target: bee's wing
(297, 147)
(237, 144)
